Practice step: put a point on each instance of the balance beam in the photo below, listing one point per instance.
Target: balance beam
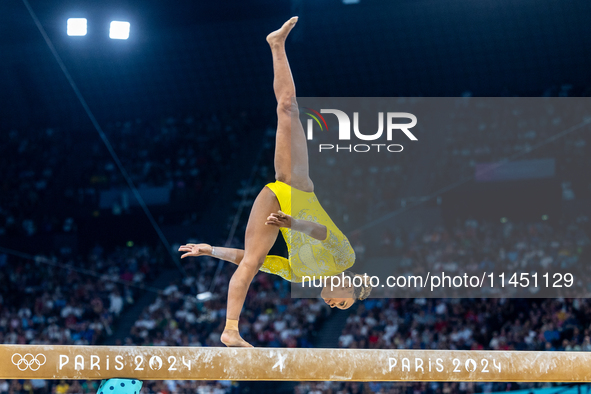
(218, 363)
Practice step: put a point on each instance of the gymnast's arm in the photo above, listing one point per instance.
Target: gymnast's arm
(227, 254)
(314, 230)
(333, 240)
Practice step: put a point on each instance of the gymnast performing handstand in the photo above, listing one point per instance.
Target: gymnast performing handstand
(316, 246)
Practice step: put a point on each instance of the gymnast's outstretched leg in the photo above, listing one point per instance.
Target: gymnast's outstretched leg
(291, 149)
(259, 238)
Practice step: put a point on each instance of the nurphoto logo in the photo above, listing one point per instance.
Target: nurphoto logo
(344, 133)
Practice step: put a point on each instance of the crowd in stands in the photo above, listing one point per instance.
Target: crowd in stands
(46, 301)
(28, 178)
(486, 246)
(55, 175)
(534, 123)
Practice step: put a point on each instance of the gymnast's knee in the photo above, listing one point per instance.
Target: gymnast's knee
(247, 270)
(287, 105)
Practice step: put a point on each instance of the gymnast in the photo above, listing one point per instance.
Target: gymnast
(316, 246)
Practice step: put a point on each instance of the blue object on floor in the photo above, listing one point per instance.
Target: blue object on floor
(120, 386)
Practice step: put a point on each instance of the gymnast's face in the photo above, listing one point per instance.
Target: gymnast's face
(339, 297)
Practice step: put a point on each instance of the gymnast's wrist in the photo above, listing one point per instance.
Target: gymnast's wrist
(296, 225)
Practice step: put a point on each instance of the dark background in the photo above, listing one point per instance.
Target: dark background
(207, 55)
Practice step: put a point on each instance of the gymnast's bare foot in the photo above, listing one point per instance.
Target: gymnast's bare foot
(279, 36)
(232, 338)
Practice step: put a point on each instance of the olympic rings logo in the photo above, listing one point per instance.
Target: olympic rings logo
(28, 361)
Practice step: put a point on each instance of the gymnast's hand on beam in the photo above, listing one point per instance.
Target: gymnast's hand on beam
(279, 219)
(194, 250)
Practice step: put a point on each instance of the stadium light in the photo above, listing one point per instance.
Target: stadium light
(76, 26)
(119, 30)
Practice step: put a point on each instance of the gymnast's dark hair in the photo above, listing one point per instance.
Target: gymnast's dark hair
(360, 292)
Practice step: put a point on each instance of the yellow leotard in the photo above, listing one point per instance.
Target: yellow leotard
(308, 256)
